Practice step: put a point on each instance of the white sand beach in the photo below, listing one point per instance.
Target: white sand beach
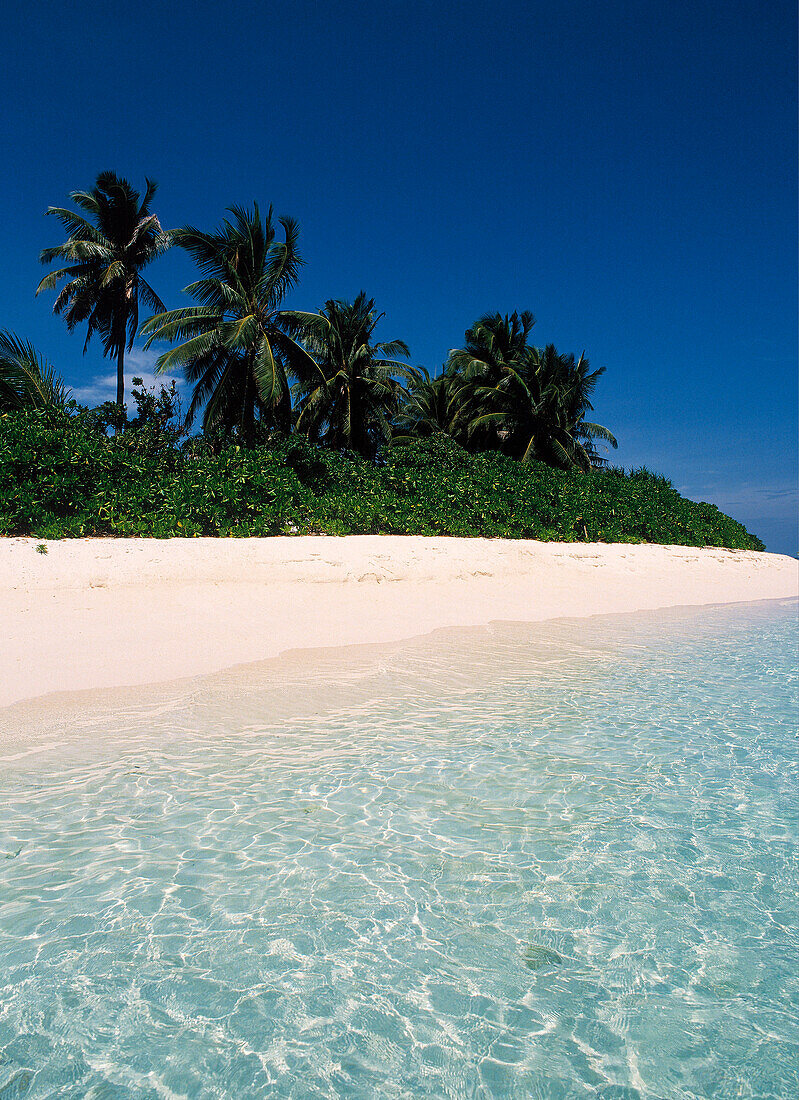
(99, 613)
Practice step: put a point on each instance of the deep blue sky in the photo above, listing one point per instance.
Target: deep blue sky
(626, 170)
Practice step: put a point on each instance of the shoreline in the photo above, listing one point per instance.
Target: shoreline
(109, 613)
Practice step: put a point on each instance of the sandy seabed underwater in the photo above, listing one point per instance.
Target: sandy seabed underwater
(553, 860)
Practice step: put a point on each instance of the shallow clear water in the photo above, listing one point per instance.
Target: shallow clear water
(552, 861)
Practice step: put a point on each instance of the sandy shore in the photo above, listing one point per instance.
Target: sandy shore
(112, 613)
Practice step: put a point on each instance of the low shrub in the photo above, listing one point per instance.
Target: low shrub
(62, 475)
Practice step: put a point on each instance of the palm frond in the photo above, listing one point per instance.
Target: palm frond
(149, 297)
(177, 324)
(597, 431)
(78, 227)
(27, 380)
(184, 354)
(269, 377)
(107, 250)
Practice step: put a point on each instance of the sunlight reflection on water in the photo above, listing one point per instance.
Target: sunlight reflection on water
(552, 860)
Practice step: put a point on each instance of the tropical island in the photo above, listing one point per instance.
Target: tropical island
(307, 424)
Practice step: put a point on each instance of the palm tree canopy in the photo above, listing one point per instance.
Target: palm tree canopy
(109, 244)
(351, 395)
(431, 406)
(529, 402)
(237, 347)
(27, 380)
(564, 437)
(495, 357)
(491, 345)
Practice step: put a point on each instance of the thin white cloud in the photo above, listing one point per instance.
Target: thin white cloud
(138, 364)
(101, 388)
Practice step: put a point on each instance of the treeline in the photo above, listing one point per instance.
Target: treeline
(257, 370)
(62, 475)
(308, 423)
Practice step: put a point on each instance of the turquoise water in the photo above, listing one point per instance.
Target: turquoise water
(550, 861)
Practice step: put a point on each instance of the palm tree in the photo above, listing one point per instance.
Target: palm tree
(491, 345)
(563, 436)
(503, 414)
(538, 410)
(352, 395)
(529, 402)
(431, 406)
(496, 357)
(27, 380)
(105, 254)
(237, 347)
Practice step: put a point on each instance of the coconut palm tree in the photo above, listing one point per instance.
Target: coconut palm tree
(495, 351)
(502, 413)
(537, 410)
(237, 347)
(529, 402)
(352, 395)
(563, 436)
(492, 344)
(105, 254)
(27, 380)
(431, 406)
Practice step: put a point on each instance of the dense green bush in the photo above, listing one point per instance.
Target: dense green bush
(61, 475)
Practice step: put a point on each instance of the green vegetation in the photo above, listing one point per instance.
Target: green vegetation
(238, 348)
(527, 402)
(63, 476)
(27, 380)
(353, 396)
(309, 424)
(105, 257)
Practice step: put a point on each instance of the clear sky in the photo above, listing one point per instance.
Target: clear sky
(626, 170)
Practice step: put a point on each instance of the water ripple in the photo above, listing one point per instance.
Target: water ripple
(499, 864)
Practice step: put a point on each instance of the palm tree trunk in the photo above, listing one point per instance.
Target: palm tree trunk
(348, 436)
(121, 374)
(352, 396)
(248, 412)
(122, 329)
